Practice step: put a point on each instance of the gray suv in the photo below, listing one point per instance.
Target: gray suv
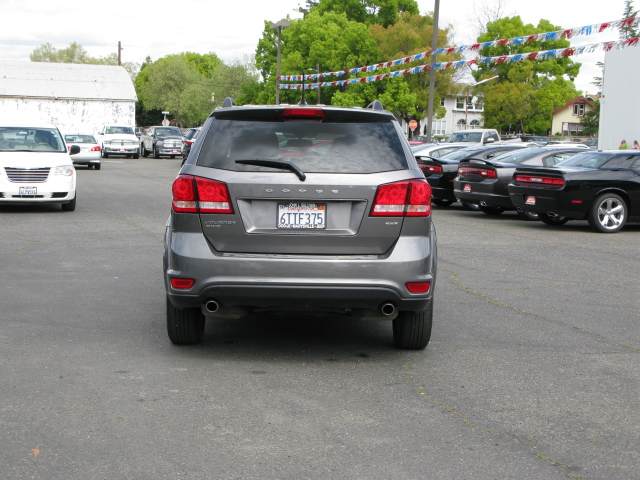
(300, 210)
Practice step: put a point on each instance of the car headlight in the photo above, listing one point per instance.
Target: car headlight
(66, 170)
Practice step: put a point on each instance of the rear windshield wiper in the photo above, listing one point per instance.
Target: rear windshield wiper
(284, 164)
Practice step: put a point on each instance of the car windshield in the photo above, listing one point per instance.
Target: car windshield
(586, 160)
(462, 153)
(471, 137)
(79, 139)
(164, 132)
(121, 130)
(29, 139)
(327, 147)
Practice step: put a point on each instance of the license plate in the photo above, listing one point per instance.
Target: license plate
(175, 151)
(302, 215)
(123, 150)
(28, 191)
(530, 200)
(467, 188)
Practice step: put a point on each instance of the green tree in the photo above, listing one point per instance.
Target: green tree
(591, 121)
(628, 31)
(541, 85)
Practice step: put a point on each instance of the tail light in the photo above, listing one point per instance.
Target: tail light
(403, 199)
(200, 195)
(96, 148)
(483, 172)
(538, 180)
(304, 114)
(430, 168)
(182, 283)
(418, 287)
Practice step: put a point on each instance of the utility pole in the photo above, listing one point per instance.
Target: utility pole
(432, 72)
(119, 54)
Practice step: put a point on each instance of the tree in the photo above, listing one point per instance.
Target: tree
(542, 85)
(627, 31)
(591, 121)
(369, 12)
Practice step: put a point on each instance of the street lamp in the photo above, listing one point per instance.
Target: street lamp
(466, 99)
(279, 25)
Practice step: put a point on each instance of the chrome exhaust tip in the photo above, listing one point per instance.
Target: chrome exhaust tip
(211, 306)
(388, 309)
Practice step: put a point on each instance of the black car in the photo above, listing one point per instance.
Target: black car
(484, 182)
(440, 172)
(602, 187)
(189, 138)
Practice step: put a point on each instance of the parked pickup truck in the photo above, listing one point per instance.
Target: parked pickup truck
(162, 141)
(118, 140)
(487, 136)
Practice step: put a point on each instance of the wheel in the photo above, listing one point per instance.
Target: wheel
(489, 210)
(143, 152)
(544, 218)
(184, 326)
(71, 206)
(440, 202)
(527, 215)
(97, 166)
(105, 154)
(470, 206)
(156, 153)
(172, 156)
(412, 330)
(608, 214)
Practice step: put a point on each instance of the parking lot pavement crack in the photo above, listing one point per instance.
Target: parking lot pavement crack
(466, 421)
(456, 281)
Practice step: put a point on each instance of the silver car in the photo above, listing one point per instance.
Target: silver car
(266, 218)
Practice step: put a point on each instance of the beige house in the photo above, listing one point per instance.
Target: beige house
(567, 121)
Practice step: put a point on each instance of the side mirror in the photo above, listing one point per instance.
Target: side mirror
(74, 149)
(489, 140)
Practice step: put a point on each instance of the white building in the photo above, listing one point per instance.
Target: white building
(620, 100)
(77, 98)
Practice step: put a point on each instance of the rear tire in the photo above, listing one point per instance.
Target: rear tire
(412, 330)
(137, 154)
(546, 219)
(97, 166)
(156, 153)
(491, 210)
(608, 214)
(184, 326)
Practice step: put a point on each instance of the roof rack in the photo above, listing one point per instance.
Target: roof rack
(376, 105)
(228, 103)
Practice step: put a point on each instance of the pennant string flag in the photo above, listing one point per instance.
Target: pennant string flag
(548, 36)
(541, 55)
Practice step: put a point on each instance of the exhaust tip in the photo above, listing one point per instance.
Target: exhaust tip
(211, 306)
(388, 309)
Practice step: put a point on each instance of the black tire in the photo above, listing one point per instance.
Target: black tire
(137, 154)
(489, 210)
(156, 153)
(412, 330)
(546, 219)
(184, 326)
(172, 156)
(608, 213)
(105, 154)
(71, 206)
(440, 202)
(470, 206)
(97, 166)
(528, 215)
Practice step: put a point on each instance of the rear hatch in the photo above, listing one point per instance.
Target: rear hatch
(304, 181)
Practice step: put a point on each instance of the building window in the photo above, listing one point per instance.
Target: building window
(442, 102)
(461, 124)
(572, 129)
(460, 103)
(438, 127)
(475, 123)
(578, 109)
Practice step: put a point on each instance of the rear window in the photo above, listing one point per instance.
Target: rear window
(326, 147)
(587, 160)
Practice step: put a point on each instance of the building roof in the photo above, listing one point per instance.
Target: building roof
(65, 81)
(588, 99)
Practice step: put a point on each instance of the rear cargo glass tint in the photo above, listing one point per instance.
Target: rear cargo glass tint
(314, 147)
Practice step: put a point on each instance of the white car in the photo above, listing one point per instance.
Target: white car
(119, 140)
(35, 166)
(89, 150)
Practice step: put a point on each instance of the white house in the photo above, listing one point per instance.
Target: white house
(77, 98)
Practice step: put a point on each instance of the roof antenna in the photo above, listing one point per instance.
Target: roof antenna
(303, 102)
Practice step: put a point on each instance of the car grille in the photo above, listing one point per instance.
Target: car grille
(27, 175)
(172, 143)
(122, 143)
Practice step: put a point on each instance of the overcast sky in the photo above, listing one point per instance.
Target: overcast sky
(231, 29)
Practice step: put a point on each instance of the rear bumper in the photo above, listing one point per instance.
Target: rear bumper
(478, 197)
(301, 282)
(547, 202)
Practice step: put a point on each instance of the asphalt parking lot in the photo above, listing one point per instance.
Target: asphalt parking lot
(532, 371)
